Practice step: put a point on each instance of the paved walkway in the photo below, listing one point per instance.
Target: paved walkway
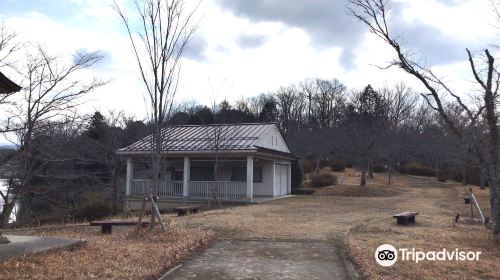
(264, 260)
(22, 245)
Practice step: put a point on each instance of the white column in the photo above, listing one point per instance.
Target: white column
(249, 178)
(274, 179)
(289, 191)
(186, 176)
(130, 175)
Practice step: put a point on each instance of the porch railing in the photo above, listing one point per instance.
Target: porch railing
(166, 188)
(197, 189)
(224, 189)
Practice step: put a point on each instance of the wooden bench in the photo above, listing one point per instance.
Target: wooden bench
(405, 218)
(106, 226)
(183, 210)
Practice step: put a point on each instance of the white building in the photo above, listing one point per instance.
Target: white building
(253, 163)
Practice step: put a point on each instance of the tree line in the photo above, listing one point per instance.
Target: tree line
(321, 119)
(73, 162)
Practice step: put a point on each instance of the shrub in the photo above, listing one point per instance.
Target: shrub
(297, 174)
(323, 180)
(4, 240)
(94, 210)
(299, 191)
(307, 166)
(416, 169)
(379, 168)
(338, 165)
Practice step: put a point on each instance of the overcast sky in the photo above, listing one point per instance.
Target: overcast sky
(244, 48)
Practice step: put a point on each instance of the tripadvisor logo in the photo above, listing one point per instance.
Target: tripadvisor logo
(387, 255)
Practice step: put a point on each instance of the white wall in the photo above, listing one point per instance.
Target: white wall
(273, 140)
(266, 187)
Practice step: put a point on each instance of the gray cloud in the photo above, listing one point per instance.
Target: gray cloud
(195, 48)
(430, 43)
(251, 40)
(328, 24)
(326, 21)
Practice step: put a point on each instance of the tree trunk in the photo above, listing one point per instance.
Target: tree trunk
(316, 170)
(389, 175)
(362, 183)
(370, 169)
(156, 172)
(6, 212)
(464, 176)
(114, 191)
(438, 175)
(482, 182)
(495, 207)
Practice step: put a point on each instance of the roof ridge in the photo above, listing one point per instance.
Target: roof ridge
(219, 124)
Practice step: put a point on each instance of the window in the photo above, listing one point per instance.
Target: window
(239, 174)
(202, 174)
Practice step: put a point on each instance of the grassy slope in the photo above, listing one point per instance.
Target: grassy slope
(362, 220)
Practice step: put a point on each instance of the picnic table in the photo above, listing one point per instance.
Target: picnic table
(183, 210)
(405, 218)
(106, 226)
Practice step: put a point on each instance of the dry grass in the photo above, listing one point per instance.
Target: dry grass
(362, 220)
(359, 219)
(122, 255)
(356, 191)
(435, 230)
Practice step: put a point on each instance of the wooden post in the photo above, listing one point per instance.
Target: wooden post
(471, 212)
(249, 178)
(141, 214)
(478, 208)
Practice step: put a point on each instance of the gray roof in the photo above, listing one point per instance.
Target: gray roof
(198, 138)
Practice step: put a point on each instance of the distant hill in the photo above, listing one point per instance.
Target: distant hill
(7, 147)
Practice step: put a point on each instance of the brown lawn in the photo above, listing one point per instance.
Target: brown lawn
(358, 220)
(122, 255)
(361, 220)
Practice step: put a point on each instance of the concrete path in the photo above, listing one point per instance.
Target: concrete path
(264, 260)
(22, 245)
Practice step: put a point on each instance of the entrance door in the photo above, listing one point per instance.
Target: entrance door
(281, 179)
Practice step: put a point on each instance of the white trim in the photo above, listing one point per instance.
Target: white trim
(186, 176)
(250, 177)
(289, 191)
(130, 175)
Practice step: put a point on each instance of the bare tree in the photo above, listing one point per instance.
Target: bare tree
(364, 125)
(8, 46)
(401, 102)
(159, 40)
(374, 14)
(51, 91)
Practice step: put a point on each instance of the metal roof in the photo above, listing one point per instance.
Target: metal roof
(198, 138)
